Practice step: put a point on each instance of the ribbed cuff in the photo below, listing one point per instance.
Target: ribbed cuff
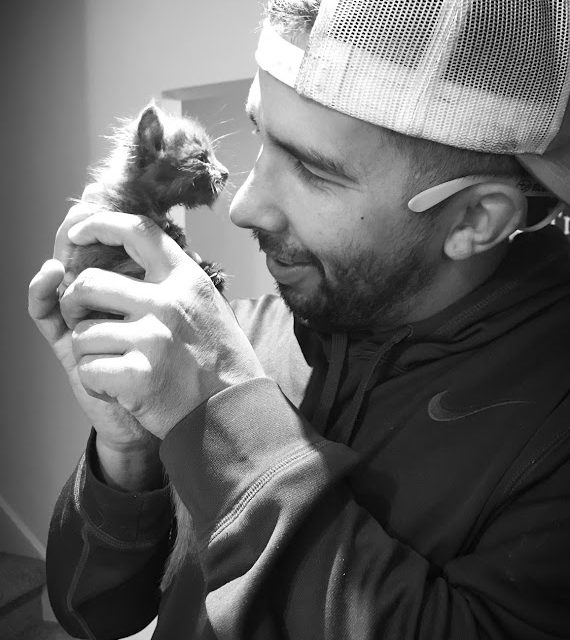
(227, 450)
(125, 519)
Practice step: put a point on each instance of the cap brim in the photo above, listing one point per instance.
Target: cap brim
(552, 174)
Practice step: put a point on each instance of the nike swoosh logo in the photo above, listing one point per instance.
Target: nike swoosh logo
(439, 413)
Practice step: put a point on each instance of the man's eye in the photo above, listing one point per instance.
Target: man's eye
(308, 175)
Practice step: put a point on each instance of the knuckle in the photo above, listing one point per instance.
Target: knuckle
(191, 281)
(86, 280)
(34, 284)
(61, 232)
(84, 326)
(145, 226)
(79, 336)
(77, 354)
(174, 317)
(73, 214)
(204, 286)
(84, 368)
(92, 192)
(76, 212)
(76, 339)
(200, 298)
(163, 306)
(157, 336)
(32, 306)
(135, 382)
(164, 334)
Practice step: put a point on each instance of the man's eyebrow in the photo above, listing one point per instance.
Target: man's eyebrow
(308, 155)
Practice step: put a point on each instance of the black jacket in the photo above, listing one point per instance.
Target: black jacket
(410, 485)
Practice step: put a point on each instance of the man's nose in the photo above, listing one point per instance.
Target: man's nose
(256, 204)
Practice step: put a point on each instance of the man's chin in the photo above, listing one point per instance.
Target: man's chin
(314, 310)
(301, 305)
(329, 312)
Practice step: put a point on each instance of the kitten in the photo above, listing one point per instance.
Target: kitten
(158, 161)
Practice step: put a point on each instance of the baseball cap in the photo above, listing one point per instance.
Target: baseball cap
(487, 76)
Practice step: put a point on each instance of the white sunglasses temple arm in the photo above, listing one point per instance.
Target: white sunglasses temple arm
(433, 196)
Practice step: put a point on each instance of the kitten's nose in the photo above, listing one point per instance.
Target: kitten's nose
(224, 173)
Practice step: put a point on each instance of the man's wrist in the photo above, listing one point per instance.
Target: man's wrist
(129, 468)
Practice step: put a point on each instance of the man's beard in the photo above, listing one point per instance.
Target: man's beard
(363, 289)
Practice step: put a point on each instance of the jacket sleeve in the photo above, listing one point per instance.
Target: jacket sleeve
(287, 552)
(105, 555)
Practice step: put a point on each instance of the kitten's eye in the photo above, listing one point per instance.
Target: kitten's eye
(203, 157)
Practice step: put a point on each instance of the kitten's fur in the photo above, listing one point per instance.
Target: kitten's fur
(158, 161)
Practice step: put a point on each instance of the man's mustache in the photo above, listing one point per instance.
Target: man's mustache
(280, 250)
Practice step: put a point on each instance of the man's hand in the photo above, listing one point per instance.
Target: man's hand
(128, 453)
(178, 343)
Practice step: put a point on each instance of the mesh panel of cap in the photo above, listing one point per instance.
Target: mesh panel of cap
(487, 75)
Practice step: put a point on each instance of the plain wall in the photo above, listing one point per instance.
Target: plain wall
(210, 231)
(138, 48)
(44, 133)
(71, 67)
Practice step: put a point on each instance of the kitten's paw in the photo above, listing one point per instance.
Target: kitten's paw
(216, 274)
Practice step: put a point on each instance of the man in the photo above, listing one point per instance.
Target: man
(386, 455)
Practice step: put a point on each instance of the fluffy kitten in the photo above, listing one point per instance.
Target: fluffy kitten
(158, 161)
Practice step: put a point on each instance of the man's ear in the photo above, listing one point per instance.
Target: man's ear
(150, 132)
(486, 215)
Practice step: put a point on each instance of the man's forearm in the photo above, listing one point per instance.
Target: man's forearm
(132, 468)
(107, 548)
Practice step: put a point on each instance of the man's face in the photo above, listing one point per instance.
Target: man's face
(327, 202)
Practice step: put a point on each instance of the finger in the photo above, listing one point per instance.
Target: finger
(63, 247)
(115, 376)
(93, 193)
(142, 239)
(96, 374)
(105, 291)
(43, 302)
(97, 337)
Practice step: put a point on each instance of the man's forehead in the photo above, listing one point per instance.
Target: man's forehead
(304, 123)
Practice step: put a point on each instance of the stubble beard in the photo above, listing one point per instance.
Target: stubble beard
(362, 290)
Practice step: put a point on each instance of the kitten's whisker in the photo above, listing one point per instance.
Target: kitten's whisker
(217, 140)
(224, 135)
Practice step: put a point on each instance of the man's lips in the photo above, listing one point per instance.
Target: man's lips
(287, 272)
(282, 259)
(287, 263)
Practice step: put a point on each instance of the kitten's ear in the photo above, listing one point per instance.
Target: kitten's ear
(150, 131)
